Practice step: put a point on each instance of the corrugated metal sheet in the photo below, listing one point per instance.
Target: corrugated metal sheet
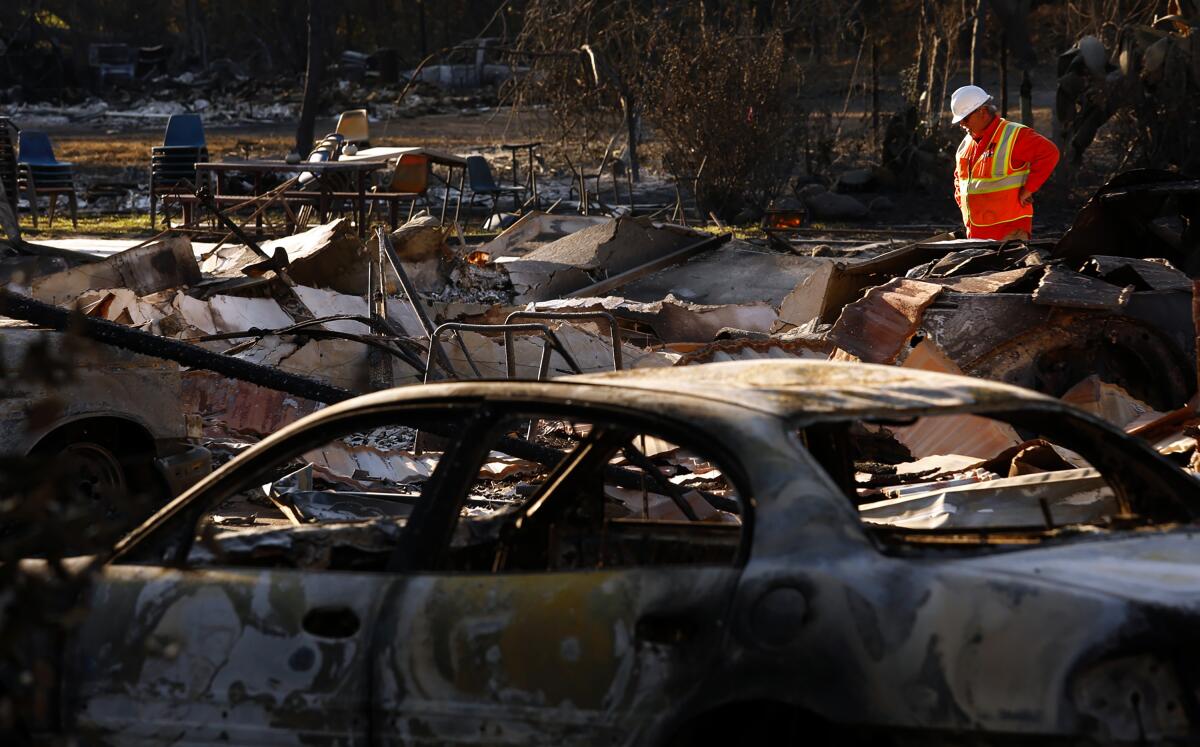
(748, 350)
(875, 328)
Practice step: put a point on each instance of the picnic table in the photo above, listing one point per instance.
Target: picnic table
(390, 154)
(358, 169)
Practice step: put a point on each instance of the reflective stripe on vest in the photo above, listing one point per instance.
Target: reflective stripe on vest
(981, 185)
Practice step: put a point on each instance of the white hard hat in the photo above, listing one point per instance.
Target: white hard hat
(966, 100)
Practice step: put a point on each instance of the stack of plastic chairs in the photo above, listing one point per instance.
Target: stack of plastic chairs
(327, 150)
(8, 160)
(173, 164)
(40, 173)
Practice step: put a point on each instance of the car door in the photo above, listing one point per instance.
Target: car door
(570, 645)
(263, 636)
(230, 655)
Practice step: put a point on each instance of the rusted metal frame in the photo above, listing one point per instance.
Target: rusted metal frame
(544, 366)
(510, 357)
(17, 306)
(614, 332)
(462, 184)
(563, 479)
(264, 200)
(510, 362)
(414, 300)
(381, 324)
(674, 258)
(379, 370)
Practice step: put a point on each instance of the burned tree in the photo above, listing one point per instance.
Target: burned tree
(312, 78)
(588, 59)
(1139, 72)
(725, 109)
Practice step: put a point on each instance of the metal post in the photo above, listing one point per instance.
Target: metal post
(1026, 99)
(410, 291)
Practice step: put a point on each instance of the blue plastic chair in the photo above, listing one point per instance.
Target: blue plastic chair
(481, 182)
(36, 151)
(184, 131)
(40, 173)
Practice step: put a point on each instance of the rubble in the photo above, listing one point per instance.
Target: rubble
(875, 329)
(156, 266)
(293, 321)
(587, 256)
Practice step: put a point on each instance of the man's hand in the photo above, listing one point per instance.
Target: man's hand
(1025, 196)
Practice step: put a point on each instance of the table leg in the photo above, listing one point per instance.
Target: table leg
(462, 182)
(219, 189)
(258, 221)
(537, 203)
(446, 192)
(362, 204)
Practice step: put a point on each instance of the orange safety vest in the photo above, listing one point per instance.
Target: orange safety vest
(988, 192)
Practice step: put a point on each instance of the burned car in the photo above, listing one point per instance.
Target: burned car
(108, 420)
(740, 550)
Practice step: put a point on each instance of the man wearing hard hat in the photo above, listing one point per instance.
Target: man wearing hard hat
(999, 167)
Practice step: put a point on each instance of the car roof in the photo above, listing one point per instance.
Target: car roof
(796, 387)
(785, 388)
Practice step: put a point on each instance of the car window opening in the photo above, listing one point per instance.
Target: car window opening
(620, 498)
(632, 499)
(965, 476)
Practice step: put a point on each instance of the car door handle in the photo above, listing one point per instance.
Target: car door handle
(331, 622)
(670, 629)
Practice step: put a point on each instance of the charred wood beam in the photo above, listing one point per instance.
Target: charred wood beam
(17, 306)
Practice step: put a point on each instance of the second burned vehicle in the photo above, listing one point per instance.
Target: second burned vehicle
(735, 551)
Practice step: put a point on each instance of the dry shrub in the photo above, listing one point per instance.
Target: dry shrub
(727, 100)
(588, 68)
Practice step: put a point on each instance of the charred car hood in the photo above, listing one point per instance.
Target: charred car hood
(1154, 568)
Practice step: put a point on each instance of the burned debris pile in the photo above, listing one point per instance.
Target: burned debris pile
(315, 317)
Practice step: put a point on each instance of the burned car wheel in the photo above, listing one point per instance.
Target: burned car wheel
(93, 471)
(107, 465)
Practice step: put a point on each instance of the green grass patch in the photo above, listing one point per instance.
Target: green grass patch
(113, 226)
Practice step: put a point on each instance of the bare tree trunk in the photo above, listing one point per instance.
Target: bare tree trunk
(312, 79)
(631, 126)
(921, 82)
(1026, 99)
(976, 42)
(937, 58)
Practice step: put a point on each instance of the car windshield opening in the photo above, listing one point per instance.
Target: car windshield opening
(971, 476)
